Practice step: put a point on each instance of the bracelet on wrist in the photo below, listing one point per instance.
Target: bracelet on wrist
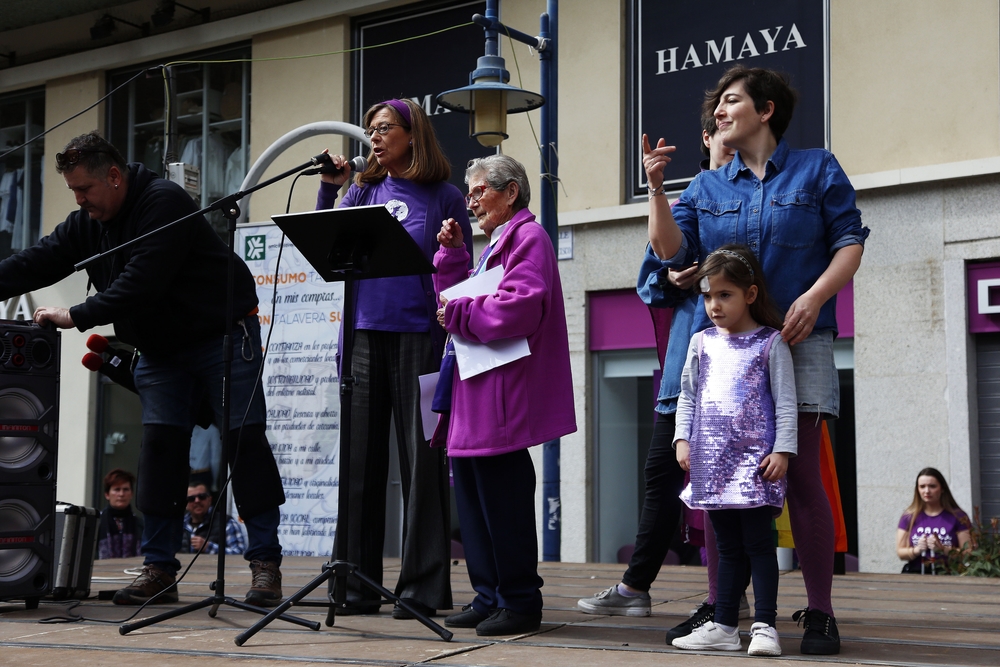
(655, 191)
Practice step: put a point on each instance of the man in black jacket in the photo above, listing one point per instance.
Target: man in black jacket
(165, 295)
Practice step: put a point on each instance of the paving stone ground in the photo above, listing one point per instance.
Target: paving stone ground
(884, 620)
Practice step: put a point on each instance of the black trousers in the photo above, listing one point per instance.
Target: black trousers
(387, 365)
(739, 532)
(661, 507)
(496, 509)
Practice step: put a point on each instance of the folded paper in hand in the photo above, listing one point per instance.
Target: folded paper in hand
(475, 358)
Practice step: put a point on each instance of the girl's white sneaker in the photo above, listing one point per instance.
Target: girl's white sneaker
(710, 637)
(763, 640)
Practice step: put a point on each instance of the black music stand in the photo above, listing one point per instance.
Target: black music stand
(349, 244)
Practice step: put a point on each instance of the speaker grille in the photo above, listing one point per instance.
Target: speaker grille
(17, 516)
(17, 452)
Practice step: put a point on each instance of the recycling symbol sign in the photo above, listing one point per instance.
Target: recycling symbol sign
(254, 248)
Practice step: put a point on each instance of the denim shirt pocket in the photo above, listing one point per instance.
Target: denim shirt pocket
(718, 222)
(795, 219)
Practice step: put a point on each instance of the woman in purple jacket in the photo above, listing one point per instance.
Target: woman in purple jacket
(498, 414)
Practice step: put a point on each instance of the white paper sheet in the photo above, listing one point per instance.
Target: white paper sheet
(475, 358)
(428, 383)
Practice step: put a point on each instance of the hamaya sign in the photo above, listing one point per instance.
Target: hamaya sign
(681, 49)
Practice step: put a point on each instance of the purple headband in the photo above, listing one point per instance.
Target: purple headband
(403, 110)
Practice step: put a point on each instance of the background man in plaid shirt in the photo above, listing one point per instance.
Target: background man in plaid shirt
(196, 529)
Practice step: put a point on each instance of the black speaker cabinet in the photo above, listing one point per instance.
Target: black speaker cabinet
(29, 437)
(27, 533)
(29, 403)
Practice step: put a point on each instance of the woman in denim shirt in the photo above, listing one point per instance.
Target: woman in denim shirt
(796, 210)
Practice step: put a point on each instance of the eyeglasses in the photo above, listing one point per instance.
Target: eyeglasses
(198, 496)
(381, 128)
(475, 196)
(72, 156)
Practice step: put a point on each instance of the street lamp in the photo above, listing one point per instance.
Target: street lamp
(489, 98)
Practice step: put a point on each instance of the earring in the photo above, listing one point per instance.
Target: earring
(116, 186)
(411, 143)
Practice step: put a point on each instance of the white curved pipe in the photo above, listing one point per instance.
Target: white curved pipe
(287, 140)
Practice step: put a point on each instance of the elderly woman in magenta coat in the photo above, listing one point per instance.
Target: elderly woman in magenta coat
(498, 414)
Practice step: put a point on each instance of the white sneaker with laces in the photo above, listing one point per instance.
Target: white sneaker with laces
(710, 636)
(763, 640)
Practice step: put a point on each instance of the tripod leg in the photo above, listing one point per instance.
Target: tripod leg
(428, 623)
(281, 608)
(312, 625)
(126, 628)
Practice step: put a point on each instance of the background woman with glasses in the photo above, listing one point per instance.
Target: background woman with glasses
(397, 339)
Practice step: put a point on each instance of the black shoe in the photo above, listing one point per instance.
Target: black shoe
(401, 614)
(822, 636)
(467, 618)
(703, 614)
(507, 622)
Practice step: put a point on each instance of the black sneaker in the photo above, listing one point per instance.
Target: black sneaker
(507, 622)
(265, 591)
(151, 582)
(702, 615)
(467, 618)
(401, 613)
(822, 636)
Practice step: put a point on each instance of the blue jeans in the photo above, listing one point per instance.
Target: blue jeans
(170, 385)
(170, 388)
(161, 534)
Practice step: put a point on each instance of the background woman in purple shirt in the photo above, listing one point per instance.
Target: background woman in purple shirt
(931, 526)
(795, 210)
(397, 339)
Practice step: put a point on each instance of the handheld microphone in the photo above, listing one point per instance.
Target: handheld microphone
(325, 165)
(119, 374)
(118, 366)
(97, 343)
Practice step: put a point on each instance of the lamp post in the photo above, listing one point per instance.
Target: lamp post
(489, 98)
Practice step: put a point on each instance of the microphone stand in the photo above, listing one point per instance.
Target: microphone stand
(230, 210)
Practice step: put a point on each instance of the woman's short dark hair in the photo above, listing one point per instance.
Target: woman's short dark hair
(97, 155)
(118, 476)
(762, 85)
(428, 163)
(500, 171)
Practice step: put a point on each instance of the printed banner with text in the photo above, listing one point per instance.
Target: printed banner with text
(301, 386)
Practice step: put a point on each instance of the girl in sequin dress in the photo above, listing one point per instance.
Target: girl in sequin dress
(736, 427)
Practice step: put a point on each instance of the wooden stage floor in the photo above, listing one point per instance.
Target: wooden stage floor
(884, 620)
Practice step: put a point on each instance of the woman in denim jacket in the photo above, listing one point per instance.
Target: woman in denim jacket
(796, 211)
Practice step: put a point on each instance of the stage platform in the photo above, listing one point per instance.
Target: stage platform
(884, 620)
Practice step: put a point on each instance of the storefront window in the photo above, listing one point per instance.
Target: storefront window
(119, 431)
(208, 109)
(22, 117)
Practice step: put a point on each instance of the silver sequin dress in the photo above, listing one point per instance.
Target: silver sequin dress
(734, 423)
